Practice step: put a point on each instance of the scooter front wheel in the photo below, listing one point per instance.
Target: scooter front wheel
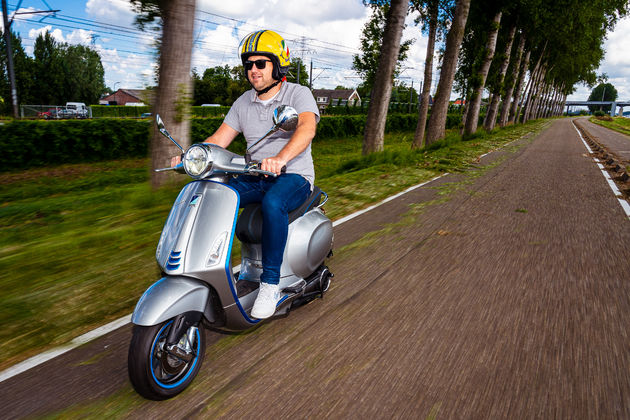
(157, 374)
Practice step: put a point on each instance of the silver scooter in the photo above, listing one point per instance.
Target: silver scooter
(199, 287)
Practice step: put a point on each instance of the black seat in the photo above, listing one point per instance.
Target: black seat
(249, 224)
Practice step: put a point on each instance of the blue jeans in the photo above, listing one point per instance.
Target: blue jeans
(278, 196)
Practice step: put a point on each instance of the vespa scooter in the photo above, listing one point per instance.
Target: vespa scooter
(199, 288)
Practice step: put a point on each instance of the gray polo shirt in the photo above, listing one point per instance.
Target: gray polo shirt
(248, 115)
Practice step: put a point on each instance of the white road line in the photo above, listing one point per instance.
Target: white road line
(622, 202)
(360, 212)
(51, 354)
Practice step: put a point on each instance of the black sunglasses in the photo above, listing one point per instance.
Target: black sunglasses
(260, 64)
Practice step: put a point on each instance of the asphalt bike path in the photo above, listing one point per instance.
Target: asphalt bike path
(615, 142)
(498, 293)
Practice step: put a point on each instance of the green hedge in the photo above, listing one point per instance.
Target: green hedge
(121, 111)
(118, 111)
(38, 143)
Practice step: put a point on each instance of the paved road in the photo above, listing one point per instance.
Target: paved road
(617, 143)
(505, 297)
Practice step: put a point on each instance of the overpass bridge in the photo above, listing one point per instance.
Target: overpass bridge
(613, 108)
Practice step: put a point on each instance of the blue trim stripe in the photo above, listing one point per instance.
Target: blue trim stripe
(252, 41)
(228, 272)
(181, 381)
(257, 40)
(312, 201)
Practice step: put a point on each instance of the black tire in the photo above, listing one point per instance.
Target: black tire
(145, 362)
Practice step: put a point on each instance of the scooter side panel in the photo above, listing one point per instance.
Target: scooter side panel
(169, 297)
(309, 242)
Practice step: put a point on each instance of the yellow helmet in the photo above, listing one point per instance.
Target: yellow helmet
(269, 44)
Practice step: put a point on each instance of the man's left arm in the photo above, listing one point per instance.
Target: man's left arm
(302, 137)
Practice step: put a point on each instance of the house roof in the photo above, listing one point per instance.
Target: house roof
(142, 95)
(334, 93)
(136, 93)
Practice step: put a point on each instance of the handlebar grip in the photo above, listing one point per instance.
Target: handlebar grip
(283, 170)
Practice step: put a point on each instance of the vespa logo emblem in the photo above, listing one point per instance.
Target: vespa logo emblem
(195, 200)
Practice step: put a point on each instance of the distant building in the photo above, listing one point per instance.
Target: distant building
(137, 97)
(336, 97)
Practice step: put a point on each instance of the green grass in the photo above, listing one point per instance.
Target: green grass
(77, 242)
(619, 124)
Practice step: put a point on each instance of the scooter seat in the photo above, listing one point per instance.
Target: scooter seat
(249, 224)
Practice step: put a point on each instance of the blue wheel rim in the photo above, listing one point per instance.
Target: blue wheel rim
(154, 361)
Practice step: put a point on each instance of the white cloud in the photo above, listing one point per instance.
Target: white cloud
(119, 12)
(616, 63)
(56, 34)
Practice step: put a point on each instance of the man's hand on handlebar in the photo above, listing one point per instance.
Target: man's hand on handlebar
(176, 160)
(273, 164)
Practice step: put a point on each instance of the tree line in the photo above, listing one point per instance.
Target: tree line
(529, 54)
(57, 73)
(224, 84)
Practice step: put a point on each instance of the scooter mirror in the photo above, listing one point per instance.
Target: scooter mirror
(285, 118)
(159, 122)
(162, 128)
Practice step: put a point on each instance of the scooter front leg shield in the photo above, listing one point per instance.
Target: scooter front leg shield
(169, 297)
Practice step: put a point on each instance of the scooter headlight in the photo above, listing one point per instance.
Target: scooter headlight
(197, 160)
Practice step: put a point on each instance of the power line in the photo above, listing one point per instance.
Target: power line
(326, 52)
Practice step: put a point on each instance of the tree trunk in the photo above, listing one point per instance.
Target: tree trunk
(437, 121)
(529, 91)
(382, 90)
(493, 109)
(472, 116)
(535, 95)
(505, 107)
(519, 90)
(418, 139)
(174, 92)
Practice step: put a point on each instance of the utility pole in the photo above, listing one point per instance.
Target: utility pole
(10, 70)
(409, 105)
(7, 40)
(310, 82)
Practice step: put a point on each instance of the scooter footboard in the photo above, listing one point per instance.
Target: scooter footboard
(168, 297)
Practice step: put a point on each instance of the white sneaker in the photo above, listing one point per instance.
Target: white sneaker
(266, 301)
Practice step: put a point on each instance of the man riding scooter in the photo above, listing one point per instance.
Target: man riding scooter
(265, 59)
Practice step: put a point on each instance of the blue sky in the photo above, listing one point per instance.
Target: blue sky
(325, 32)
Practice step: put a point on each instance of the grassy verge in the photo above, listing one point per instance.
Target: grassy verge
(618, 124)
(77, 242)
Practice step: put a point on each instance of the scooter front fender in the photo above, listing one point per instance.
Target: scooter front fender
(169, 297)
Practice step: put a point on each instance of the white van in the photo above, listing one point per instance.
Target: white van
(76, 110)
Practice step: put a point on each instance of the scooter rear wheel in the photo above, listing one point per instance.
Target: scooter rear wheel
(155, 374)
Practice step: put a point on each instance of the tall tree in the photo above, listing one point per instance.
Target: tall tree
(23, 68)
(437, 122)
(366, 63)
(511, 82)
(474, 102)
(84, 79)
(174, 92)
(382, 89)
(497, 87)
(602, 92)
(48, 75)
(432, 18)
